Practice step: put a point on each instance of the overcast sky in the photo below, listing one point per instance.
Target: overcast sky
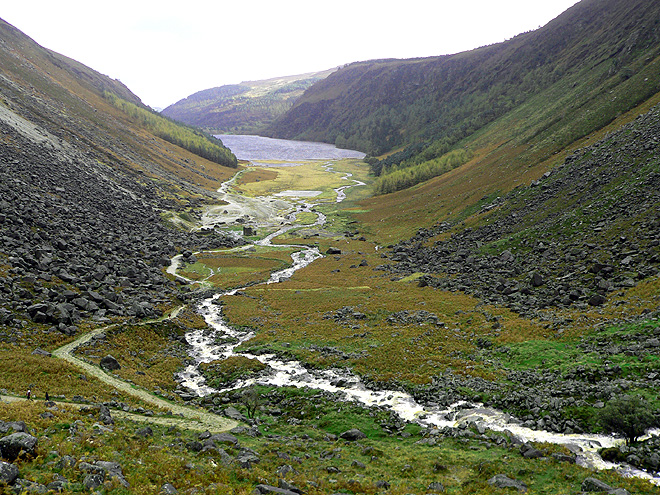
(166, 50)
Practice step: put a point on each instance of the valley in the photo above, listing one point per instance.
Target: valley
(472, 307)
(355, 331)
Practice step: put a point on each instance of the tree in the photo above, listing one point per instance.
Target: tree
(250, 399)
(627, 415)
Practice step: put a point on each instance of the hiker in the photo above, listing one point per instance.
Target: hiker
(29, 394)
(47, 397)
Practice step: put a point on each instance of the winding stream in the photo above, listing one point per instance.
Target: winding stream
(349, 386)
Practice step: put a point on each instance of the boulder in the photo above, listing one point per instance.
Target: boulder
(15, 444)
(246, 458)
(8, 473)
(285, 469)
(41, 352)
(105, 416)
(66, 462)
(235, 414)
(564, 458)
(93, 481)
(114, 471)
(537, 280)
(352, 435)
(503, 481)
(529, 452)
(109, 363)
(264, 489)
(145, 432)
(436, 486)
(285, 485)
(595, 485)
(226, 438)
(168, 489)
(22, 485)
(12, 425)
(58, 485)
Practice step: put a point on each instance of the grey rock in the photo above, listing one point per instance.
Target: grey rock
(86, 467)
(8, 473)
(265, 489)
(113, 470)
(530, 452)
(105, 416)
(247, 458)
(109, 363)
(564, 458)
(58, 485)
(66, 462)
(284, 470)
(226, 438)
(41, 352)
(168, 489)
(595, 485)
(235, 414)
(145, 432)
(285, 485)
(503, 481)
(22, 486)
(93, 481)
(436, 486)
(16, 426)
(16, 444)
(353, 435)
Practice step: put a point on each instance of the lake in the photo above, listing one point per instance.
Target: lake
(255, 148)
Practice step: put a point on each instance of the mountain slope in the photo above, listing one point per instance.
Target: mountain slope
(573, 239)
(431, 104)
(69, 100)
(84, 187)
(242, 108)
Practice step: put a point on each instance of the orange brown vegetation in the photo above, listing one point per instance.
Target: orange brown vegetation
(299, 313)
(145, 352)
(257, 175)
(21, 370)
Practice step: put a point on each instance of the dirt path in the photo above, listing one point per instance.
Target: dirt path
(191, 418)
(183, 423)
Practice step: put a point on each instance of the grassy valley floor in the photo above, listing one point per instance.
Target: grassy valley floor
(344, 310)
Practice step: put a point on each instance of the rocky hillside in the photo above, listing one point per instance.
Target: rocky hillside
(82, 193)
(243, 108)
(572, 239)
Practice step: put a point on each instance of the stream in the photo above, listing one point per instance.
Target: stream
(349, 387)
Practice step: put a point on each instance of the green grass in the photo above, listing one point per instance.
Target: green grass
(565, 354)
(462, 465)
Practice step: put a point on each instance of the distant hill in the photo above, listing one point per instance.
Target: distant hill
(242, 108)
(574, 75)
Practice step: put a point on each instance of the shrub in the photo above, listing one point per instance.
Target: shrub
(627, 415)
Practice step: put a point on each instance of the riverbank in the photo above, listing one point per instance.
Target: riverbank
(224, 342)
